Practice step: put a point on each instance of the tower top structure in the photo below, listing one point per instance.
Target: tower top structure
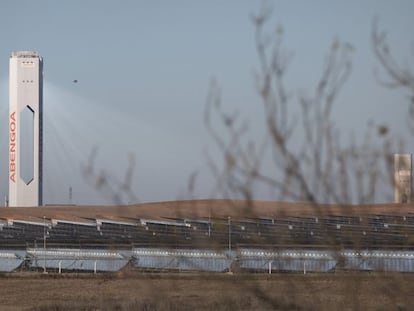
(23, 54)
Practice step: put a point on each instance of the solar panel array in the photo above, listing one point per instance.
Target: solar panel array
(369, 242)
(76, 259)
(242, 259)
(181, 259)
(371, 231)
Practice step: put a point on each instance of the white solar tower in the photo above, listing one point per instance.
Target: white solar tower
(403, 177)
(25, 129)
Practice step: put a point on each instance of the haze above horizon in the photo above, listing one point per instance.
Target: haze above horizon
(143, 69)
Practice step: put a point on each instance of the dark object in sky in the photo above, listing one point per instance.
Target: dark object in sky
(75, 81)
(382, 130)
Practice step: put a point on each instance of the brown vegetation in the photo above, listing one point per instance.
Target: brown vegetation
(207, 292)
(197, 209)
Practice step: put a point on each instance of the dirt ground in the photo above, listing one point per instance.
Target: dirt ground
(151, 291)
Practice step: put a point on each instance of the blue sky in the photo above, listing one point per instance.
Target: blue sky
(144, 69)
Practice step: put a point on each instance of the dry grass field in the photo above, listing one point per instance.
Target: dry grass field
(143, 291)
(203, 209)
